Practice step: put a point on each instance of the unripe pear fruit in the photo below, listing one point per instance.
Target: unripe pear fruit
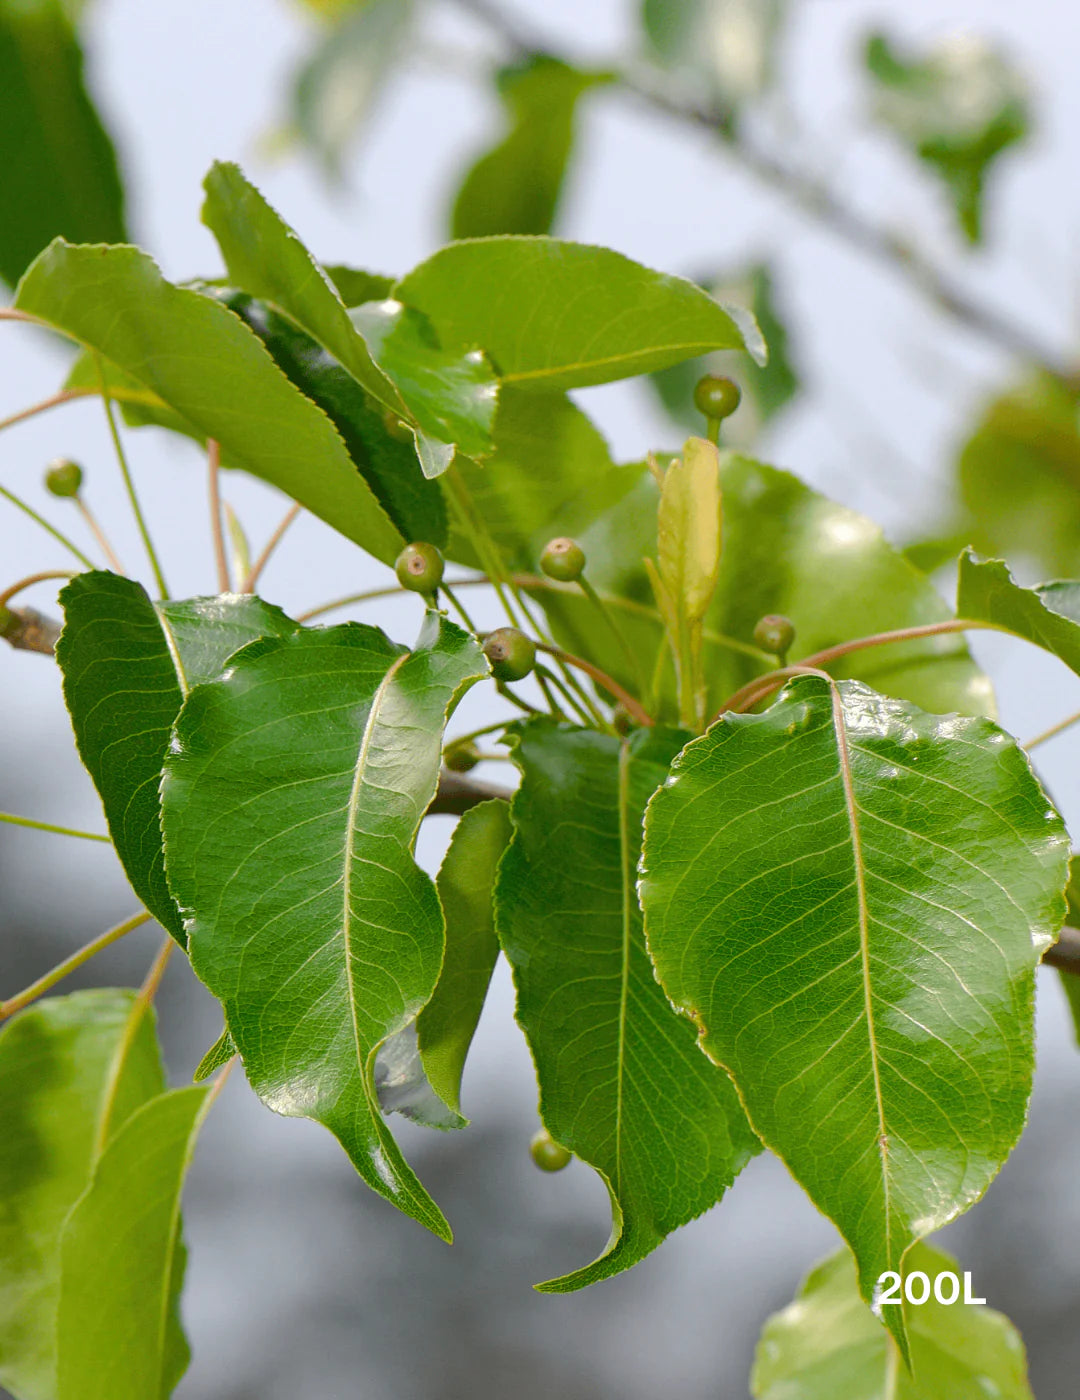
(63, 477)
(510, 653)
(462, 756)
(563, 560)
(549, 1155)
(419, 568)
(775, 633)
(716, 396)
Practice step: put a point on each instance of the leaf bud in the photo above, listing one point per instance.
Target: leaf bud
(419, 568)
(461, 756)
(396, 427)
(716, 396)
(63, 477)
(549, 1155)
(510, 653)
(775, 633)
(622, 720)
(563, 560)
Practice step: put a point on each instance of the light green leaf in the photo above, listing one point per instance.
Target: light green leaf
(291, 801)
(209, 368)
(60, 171)
(356, 285)
(688, 523)
(122, 1259)
(126, 666)
(592, 315)
(1048, 615)
(827, 1346)
(958, 108)
(219, 1054)
(515, 187)
(725, 48)
(466, 885)
(1070, 981)
(72, 1071)
(622, 1082)
(849, 898)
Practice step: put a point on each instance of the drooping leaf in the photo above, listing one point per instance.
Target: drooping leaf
(209, 368)
(787, 550)
(724, 49)
(592, 315)
(516, 186)
(60, 170)
(1048, 615)
(622, 1082)
(766, 389)
(827, 1345)
(72, 1071)
(291, 802)
(126, 666)
(849, 898)
(466, 885)
(122, 1259)
(958, 107)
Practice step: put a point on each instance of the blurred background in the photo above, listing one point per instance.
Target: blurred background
(893, 187)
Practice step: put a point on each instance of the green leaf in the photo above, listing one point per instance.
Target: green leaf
(126, 666)
(219, 1054)
(723, 50)
(291, 801)
(1048, 616)
(688, 529)
(355, 285)
(622, 1082)
(827, 1345)
(210, 369)
(122, 1259)
(1070, 981)
(787, 550)
(336, 89)
(466, 886)
(592, 315)
(452, 396)
(766, 389)
(849, 898)
(60, 171)
(516, 186)
(72, 1071)
(957, 108)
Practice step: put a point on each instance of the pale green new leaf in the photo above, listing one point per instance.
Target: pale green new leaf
(291, 801)
(827, 1346)
(622, 1081)
(1048, 615)
(849, 898)
(591, 315)
(122, 1260)
(203, 362)
(72, 1071)
(688, 522)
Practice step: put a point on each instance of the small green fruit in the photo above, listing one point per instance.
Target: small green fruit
(563, 560)
(63, 477)
(549, 1155)
(775, 633)
(419, 568)
(622, 720)
(510, 653)
(462, 756)
(717, 397)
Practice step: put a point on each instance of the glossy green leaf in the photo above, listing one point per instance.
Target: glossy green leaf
(452, 396)
(72, 1071)
(827, 1345)
(466, 885)
(725, 49)
(592, 315)
(210, 369)
(622, 1082)
(126, 666)
(516, 186)
(1048, 616)
(958, 107)
(122, 1259)
(849, 898)
(291, 801)
(60, 170)
(766, 389)
(787, 550)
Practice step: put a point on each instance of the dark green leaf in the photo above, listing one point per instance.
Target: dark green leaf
(725, 48)
(957, 108)
(210, 369)
(60, 172)
(827, 1346)
(849, 898)
(72, 1071)
(291, 801)
(592, 315)
(122, 1260)
(126, 666)
(515, 187)
(466, 886)
(1048, 615)
(622, 1082)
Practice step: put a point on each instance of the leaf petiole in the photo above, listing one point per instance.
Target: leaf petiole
(14, 820)
(69, 965)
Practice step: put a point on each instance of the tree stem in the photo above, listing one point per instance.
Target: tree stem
(10, 592)
(13, 820)
(54, 401)
(247, 584)
(29, 510)
(159, 577)
(217, 528)
(633, 707)
(62, 970)
(99, 534)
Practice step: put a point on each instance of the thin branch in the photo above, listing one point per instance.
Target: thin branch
(64, 396)
(633, 707)
(1065, 953)
(217, 529)
(26, 629)
(13, 820)
(247, 584)
(10, 592)
(129, 483)
(58, 973)
(457, 793)
(1052, 732)
(99, 534)
(29, 510)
